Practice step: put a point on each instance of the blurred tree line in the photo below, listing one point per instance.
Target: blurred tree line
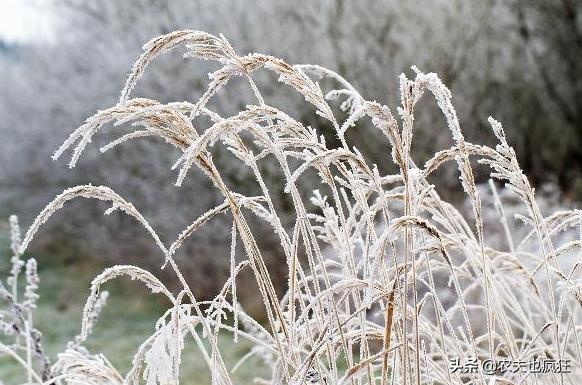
(516, 60)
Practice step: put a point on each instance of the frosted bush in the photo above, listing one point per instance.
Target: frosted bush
(387, 282)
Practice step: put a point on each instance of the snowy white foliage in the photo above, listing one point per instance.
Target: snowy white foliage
(387, 282)
(51, 87)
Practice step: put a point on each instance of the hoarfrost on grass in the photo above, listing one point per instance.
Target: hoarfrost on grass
(387, 282)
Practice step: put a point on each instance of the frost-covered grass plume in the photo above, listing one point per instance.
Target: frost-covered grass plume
(387, 282)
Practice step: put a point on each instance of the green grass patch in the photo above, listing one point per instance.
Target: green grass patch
(127, 320)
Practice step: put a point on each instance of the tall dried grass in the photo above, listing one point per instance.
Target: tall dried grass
(387, 282)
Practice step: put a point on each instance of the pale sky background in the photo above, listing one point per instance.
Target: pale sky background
(25, 20)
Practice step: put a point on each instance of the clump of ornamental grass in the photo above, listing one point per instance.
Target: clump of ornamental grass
(387, 282)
